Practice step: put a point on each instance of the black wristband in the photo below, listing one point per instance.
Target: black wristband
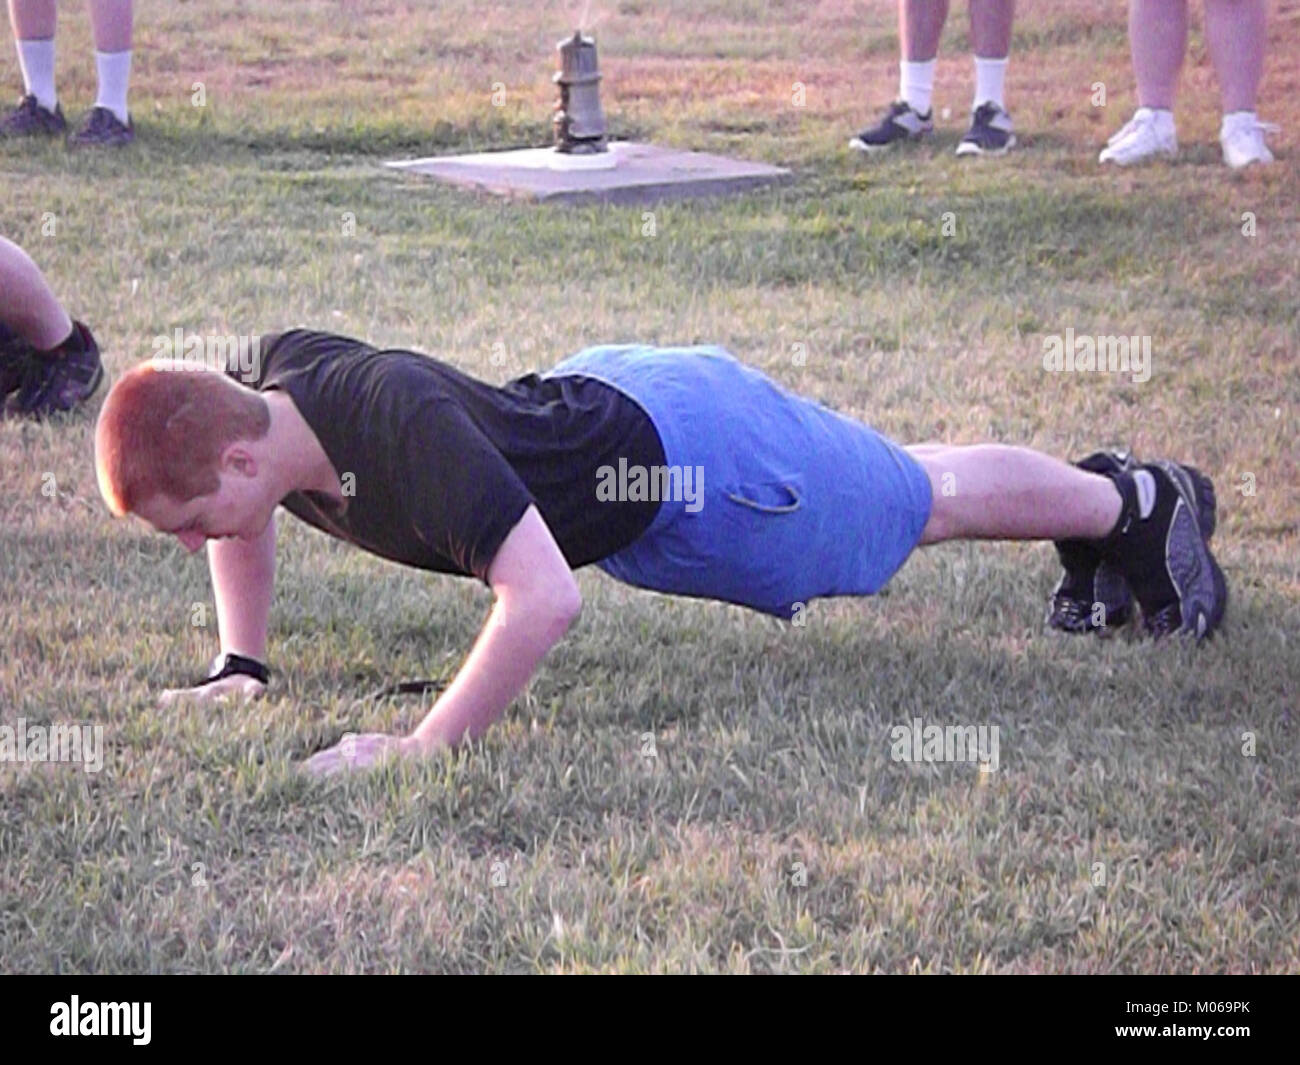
(228, 664)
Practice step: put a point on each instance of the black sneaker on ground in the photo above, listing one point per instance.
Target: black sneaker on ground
(901, 123)
(101, 128)
(30, 119)
(1161, 547)
(59, 380)
(15, 353)
(1091, 595)
(990, 132)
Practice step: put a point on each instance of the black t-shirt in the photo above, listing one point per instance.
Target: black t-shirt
(437, 467)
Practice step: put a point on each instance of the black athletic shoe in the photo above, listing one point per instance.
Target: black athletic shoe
(30, 119)
(1162, 549)
(15, 353)
(901, 123)
(990, 132)
(102, 129)
(59, 380)
(1091, 595)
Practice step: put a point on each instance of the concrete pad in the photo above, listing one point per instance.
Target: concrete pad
(627, 173)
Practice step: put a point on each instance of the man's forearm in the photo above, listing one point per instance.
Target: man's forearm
(506, 654)
(243, 581)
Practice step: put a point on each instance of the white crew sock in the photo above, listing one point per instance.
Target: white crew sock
(1233, 120)
(989, 76)
(916, 84)
(1162, 117)
(114, 69)
(36, 58)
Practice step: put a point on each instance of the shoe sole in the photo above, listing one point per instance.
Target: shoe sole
(1150, 157)
(970, 148)
(1193, 571)
(1249, 163)
(1117, 616)
(76, 145)
(95, 384)
(859, 145)
(1207, 504)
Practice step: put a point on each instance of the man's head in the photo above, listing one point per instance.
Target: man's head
(176, 445)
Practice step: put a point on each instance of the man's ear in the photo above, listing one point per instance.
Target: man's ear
(238, 459)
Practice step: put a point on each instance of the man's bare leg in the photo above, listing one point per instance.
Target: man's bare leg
(49, 360)
(33, 23)
(111, 23)
(27, 304)
(1151, 522)
(990, 27)
(1157, 31)
(920, 25)
(32, 18)
(996, 492)
(1237, 33)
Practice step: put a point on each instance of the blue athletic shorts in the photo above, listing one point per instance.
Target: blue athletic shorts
(774, 499)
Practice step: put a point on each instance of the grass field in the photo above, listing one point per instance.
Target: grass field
(685, 786)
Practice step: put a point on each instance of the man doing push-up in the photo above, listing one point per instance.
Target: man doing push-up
(674, 469)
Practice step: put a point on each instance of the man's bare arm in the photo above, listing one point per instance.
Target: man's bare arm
(537, 600)
(243, 579)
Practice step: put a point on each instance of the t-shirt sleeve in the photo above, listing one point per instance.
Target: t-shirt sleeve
(248, 366)
(471, 498)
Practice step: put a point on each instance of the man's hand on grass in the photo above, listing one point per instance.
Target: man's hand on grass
(359, 752)
(235, 686)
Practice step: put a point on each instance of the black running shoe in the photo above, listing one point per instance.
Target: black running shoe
(61, 379)
(1161, 547)
(102, 129)
(15, 353)
(30, 119)
(901, 123)
(1091, 595)
(990, 132)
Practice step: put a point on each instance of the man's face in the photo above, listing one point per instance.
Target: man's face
(236, 509)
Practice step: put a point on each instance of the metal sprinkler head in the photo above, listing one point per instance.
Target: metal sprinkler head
(579, 122)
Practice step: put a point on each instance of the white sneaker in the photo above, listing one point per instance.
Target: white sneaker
(1242, 137)
(1146, 135)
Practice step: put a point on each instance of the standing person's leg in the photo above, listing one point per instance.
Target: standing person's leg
(38, 112)
(49, 359)
(1236, 31)
(920, 25)
(109, 121)
(1157, 31)
(990, 32)
(1149, 521)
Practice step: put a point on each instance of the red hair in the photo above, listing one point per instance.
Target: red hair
(163, 428)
